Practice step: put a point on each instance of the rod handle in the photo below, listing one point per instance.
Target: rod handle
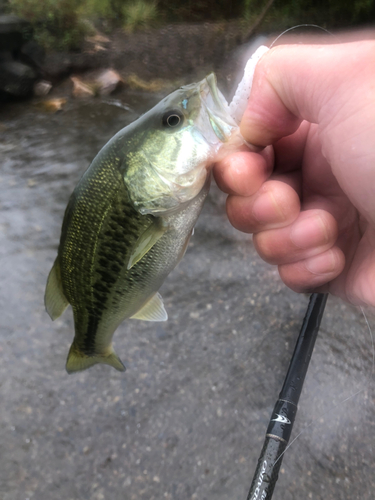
(268, 468)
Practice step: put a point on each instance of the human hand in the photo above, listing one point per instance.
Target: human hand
(309, 198)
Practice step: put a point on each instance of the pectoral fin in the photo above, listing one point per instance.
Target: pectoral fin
(78, 361)
(54, 298)
(145, 242)
(153, 310)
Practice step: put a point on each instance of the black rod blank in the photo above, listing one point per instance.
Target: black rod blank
(285, 410)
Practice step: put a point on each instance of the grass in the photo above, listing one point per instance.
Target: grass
(63, 24)
(57, 24)
(139, 14)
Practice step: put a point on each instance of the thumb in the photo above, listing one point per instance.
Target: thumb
(302, 82)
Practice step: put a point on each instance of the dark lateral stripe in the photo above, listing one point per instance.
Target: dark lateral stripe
(88, 346)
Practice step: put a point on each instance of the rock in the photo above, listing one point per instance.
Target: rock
(32, 53)
(94, 84)
(97, 38)
(16, 78)
(42, 88)
(52, 105)
(14, 32)
(108, 81)
(16, 55)
(82, 89)
(60, 64)
(5, 56)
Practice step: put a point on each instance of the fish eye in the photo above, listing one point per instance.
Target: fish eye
(172, 118)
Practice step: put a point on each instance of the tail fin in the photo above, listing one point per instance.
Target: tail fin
(78, 361)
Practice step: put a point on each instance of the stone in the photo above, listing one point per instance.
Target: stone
(14, 32)
(82, 89)
(33, 54)
(108, 81)
(52, 105)
(42, 88)
(95, 84)
(16, 78)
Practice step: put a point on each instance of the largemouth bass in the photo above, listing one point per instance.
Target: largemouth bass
(128, 221)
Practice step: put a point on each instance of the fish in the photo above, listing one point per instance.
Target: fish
(129, 219)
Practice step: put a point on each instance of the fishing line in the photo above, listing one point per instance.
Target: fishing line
(285, 410)
(306, 426)
(300, 26)
(279, 429)
(343, 401)
(372, 343)
(284, 413)
(330, 410)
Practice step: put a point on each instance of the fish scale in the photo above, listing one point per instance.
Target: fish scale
(106, 253)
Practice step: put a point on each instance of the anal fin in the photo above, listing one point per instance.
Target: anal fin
(153, 310)
(54, 298)
(78, 361)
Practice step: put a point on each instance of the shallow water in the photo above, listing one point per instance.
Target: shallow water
(187, 419)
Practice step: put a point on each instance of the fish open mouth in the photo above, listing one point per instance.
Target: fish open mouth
(217, 97)
(216, 108)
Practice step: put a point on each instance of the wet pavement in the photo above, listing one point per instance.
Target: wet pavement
(186, 420)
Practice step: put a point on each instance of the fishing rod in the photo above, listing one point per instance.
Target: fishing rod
(285, 410)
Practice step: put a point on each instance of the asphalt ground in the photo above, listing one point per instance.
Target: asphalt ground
(186, 421)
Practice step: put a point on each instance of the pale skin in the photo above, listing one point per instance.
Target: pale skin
(308, 193)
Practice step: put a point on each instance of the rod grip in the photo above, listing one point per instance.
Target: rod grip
(267, 470)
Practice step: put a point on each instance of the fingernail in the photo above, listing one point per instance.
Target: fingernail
(324, 263)
(266, 207)
(309, 232)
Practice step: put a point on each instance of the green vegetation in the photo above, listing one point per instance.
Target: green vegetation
(327, 13)
(63, 24)
(139, 14)
(101, 9)
(57, 23)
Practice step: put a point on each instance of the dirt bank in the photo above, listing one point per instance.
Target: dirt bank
(169, 52)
